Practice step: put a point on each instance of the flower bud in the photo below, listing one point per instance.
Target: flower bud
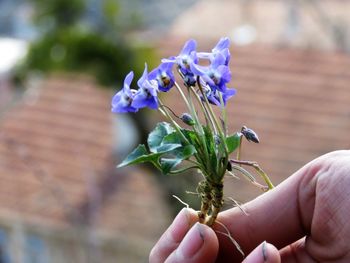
(187, 118)
(250, 135)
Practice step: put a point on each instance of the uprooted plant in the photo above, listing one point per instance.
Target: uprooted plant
(203, 145)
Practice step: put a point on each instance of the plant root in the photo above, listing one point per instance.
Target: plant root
(182, 202)
(227, 233)
(238, 205)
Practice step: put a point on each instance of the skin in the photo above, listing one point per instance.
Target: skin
(304, 219)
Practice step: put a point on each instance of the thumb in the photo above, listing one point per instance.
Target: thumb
(200, 245)
(264, 253)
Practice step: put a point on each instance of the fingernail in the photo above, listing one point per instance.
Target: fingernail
(192, 242)
(258, 255)
(264, 253)
(180, 225)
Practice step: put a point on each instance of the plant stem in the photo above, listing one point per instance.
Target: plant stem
(183, 169)
(220, 168)
(204, 110)
(217, 202)
(223, 113)
(176, 126)
(204, 189)
(239, 148)
(190, 107)
(258, 169)
(249, 177)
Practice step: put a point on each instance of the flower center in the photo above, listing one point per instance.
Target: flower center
(214, 77)
(127, 100)
(165, 80)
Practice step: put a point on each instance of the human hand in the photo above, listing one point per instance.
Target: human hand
(305, 218)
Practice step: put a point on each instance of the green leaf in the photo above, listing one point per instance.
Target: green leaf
(172, 138)
(180, 154)
(141, 155)
(136, 156)
(232, 142)
(155, 138)
(209, 138)
(165, 148)
(168, 164)
(191, 136)
(185, 152)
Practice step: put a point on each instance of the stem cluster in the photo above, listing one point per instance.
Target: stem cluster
(212, 150)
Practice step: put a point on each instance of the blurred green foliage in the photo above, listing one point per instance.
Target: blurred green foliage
(76, 51)
(62, 13)
(70, 42)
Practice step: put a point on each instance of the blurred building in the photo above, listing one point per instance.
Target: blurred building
(61, 197)
(166, 12)
(322, 24)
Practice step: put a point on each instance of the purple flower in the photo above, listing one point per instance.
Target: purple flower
(222, 47)
(214, 96)
(164, 76)
(223, 43)
(185, 60)
(216, 75)
(122, 101)
(146, 96)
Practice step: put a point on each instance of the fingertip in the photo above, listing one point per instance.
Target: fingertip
(264, 253)
(272, 254)
(211, 244)
(200, 245)
(184, 220)
(172, 237)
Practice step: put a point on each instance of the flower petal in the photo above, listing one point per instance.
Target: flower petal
(171, 59)
(189, 46)
(144, 77)
(218, 60)
(198, 69)
(128, 80)
(204, 55)
(225, 73)
(153, 74)
(223, 43)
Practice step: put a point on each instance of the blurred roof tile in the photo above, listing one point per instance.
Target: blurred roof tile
(56, 165)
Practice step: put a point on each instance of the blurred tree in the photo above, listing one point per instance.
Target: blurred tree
(82, 36)
(62, 13)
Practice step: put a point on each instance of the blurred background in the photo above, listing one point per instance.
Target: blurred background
(61, 197)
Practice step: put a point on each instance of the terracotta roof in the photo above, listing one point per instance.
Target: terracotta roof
(297, 101)
(57, 168)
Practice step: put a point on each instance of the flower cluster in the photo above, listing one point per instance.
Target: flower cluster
(212, 78)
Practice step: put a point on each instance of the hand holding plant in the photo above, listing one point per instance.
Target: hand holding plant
(304, 219)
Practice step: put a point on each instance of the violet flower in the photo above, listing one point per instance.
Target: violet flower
(222, 47)
(216, 75)
(164, 76)
(185, 60)
(146, 96)
(214, 96)
(122, 101)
